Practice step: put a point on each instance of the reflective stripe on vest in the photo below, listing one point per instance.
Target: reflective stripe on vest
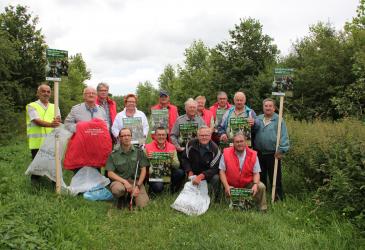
(36, 134)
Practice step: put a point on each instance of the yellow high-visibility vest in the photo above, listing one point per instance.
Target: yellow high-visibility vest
(35, 133)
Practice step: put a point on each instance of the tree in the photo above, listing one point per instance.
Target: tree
(239, 60)
(320, 74)
(28, 42)
(167, 79)
(195, 75)
(352, 102)
(71, 87)
(147, 96)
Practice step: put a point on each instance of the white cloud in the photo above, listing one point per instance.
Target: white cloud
(126, 42)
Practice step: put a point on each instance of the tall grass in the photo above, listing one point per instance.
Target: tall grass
(32, 218)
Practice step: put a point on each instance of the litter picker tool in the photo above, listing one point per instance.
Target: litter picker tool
(134, 185)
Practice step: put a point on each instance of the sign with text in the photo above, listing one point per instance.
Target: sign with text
(57, 64)
(283, 82)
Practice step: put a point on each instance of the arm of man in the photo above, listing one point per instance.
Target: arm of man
(141, 178)
(214, 164)
(284, 141)
(70, 121)
(105, 118)
(256, 177)
(223, 177)
(185, 162)
(114, 177)
(175, 135)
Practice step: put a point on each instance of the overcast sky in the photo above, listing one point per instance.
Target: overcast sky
(124, 42)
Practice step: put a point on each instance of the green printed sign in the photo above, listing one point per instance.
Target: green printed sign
(159, 118)
(283, 82)
(188, 131)
(135, 125)
(240, 124)
(219, 116)
(160, 167)
(241, 198)
(57, 64)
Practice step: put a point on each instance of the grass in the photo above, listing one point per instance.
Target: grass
(33, 218)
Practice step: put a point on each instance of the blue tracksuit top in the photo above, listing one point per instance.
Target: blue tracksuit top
(265, 136)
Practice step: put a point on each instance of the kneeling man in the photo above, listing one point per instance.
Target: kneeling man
(239, 167)
(164, 165)
(121, 167)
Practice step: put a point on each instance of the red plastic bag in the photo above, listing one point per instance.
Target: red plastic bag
(90, 145)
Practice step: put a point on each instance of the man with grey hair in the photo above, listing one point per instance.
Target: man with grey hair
(238, 111)
(220, 107)
(201, 159)
(218, 110)
(186, 126)
(85, 111)
(239, 167)
(104, 100)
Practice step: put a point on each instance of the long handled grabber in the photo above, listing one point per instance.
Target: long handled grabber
(134, 185)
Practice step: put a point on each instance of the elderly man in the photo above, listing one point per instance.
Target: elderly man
(41, 120)
(164, 103)
(122, 170)
(85, 111)
(133, 118)
(220, 107)
(239, 110)
(204, 113)
(161, 145)
(104, 101)
(186, 126)
(201, 159)
(239, 168)
(265, 128)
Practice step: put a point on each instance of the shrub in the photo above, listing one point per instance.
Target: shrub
(329, 159)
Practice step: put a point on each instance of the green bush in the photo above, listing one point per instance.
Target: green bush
(329, 159)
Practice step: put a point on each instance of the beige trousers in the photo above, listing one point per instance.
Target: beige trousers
(119, 190)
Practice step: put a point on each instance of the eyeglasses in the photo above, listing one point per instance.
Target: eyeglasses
(124, 136)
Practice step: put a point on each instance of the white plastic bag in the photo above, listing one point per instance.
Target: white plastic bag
(193, 199)
(86, 179)
(44, 162)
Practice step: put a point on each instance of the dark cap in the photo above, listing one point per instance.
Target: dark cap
(164, 93)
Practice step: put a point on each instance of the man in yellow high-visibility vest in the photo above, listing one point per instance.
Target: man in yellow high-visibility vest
(41, 120)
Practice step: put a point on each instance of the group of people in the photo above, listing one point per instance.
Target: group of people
(227, 145)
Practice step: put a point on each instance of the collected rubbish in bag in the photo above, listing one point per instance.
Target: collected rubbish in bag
(86, 179)
(193, 199)
(44, 162)
(98, 193)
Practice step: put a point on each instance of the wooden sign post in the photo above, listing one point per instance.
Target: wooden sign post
(57, 142)
(278, 136)
(282, 85)
(57, 66)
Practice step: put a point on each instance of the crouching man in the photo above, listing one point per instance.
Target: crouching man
(239, 167)
(201, 158)
(121, 167)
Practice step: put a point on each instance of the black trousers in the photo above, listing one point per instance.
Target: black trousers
(267, 163)
(34, 177)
